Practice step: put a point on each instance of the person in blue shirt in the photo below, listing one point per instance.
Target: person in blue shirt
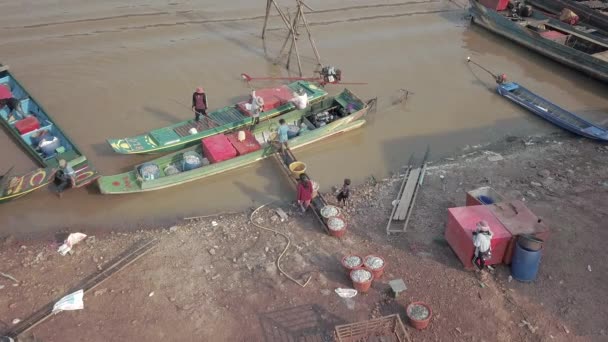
(283, 133)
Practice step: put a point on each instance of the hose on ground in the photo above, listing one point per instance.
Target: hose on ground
(278, 261)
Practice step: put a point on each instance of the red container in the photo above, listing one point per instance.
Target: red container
(218, 148)
(27, 124)
(377, 272)
(362, 286)
(336, 233)
(498, 5)
(273, 98)
(518, 220)
(354, 267)
(248, 145)
(419, 324)
(462, 223)
(472, 197)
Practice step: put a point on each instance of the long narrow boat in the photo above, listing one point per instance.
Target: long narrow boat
(13, 187)
(188, 133)
(331, 116)
(586, 14)
(549, 37)
(38, 128)
(551, 112)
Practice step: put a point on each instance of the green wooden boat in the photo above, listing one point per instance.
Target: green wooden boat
(342, 113)
(178, 136)
(45, 128)
(13, 187)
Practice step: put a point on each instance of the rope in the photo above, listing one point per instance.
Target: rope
(278, 262)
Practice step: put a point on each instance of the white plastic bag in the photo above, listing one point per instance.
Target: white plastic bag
(72, 239)
(73, 301)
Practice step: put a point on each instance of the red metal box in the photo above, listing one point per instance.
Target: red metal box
(459, 233)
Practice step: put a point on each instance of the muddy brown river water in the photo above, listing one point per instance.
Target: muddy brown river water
(116, 68)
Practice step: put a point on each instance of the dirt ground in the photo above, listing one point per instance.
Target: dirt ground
(215, 279)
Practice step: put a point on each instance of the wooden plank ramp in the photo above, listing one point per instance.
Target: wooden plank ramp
(407, 195)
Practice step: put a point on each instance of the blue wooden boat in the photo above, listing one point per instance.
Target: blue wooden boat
(551, 112)
(46, 143)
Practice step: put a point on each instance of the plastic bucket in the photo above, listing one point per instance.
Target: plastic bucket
(350, 268)
(377, 272)
(525, 263)
(297, 168)
(333, 222)
(419, 324)
(362, 286)
(329, 211)
(530, 242)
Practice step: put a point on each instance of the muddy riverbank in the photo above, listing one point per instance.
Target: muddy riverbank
(212, 277)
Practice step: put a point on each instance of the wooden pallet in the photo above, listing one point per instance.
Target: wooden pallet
(383, 329)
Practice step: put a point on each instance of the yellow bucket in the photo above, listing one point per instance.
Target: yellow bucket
(297, 168)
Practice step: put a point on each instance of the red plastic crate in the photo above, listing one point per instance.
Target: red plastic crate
(273, 98)
(498, 5)
(518, 219)
(462, 223)
(217, 148)
(248, 145)
(27, 125)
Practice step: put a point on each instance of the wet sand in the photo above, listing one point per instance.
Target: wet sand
(111, 70)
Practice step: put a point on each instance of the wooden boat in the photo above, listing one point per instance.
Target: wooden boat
(180, 135)
(549, 37)
(551, 112)
(42, 126)
(347, 108)
(586, 14)
(13, 187)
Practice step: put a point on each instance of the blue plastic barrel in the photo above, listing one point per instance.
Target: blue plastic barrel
(525, 263)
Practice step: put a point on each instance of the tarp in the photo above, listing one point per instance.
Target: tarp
(5, 93)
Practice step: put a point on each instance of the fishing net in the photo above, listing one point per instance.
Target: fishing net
(149, 171)
(191, 160)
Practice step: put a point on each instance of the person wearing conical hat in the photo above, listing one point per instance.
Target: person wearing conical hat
(482, 240)
(199, 103)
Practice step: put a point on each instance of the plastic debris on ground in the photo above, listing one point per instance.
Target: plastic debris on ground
(72, 239)
(346, 293)
(73, 301)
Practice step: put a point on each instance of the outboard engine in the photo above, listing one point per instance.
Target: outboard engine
(331, 74)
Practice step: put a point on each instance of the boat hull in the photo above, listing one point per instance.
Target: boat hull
(128, 182)
(494, 22)
(17, 186)
(156, 141)
(552, 112)
(85, 172)
(587, 15)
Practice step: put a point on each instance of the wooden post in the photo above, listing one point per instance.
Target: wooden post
(268, 5)
(312, 42)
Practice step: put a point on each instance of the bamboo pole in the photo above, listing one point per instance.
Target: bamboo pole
(268, 6)
(312, 42)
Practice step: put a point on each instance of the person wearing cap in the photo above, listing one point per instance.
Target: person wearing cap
(199, 103)
(482, 240)
(64, 177)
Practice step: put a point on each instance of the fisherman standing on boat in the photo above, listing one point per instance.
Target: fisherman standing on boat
(199, 103)
(64, 177)
(482, 240)
(283, 132)
(257, 107)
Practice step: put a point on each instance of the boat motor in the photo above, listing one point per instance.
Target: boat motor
(331, 74)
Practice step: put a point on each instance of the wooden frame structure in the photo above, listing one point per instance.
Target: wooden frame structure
(292, 26)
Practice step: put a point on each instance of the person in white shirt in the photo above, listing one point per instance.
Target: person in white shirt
(482, 240)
